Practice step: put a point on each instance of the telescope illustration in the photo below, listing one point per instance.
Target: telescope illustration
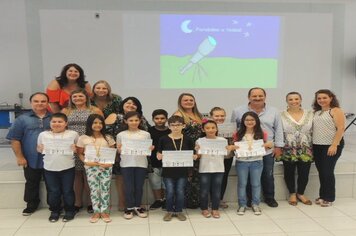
(205, 48)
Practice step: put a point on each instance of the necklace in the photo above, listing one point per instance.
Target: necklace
(249, 139)
(175, 146)
(97, 147)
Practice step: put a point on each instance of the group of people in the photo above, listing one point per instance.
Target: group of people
(92, 119)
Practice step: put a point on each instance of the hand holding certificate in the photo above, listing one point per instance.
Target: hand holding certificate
(213, 147)
(177, 158)
(250, 148)
(226, 130)
(105, 155)
(58, 147)
(139, 147)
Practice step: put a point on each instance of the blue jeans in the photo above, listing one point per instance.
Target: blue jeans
(134, 178)
(60, 184)
(175, 189)
(267, 179)
(210, 183)
(244, 169)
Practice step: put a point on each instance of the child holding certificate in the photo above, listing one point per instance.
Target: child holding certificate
(175, 178)
(58, 146)
(251, 134)
(90, 150)
(131, 144)
(212, 150)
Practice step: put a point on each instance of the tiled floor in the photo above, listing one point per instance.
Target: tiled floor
(340, 219)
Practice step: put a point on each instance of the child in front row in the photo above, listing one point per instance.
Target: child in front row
(175, 178)
(98, 175)
(159, 117)
(211, 170)
(58, 166)
(133, 167)
(250, 130)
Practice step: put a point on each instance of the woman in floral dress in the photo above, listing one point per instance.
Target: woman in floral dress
(297, 152)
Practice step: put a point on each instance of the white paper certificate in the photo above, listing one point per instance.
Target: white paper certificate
(226, 130)
(177, 158)
(58, 147)
(136, 147)
(213, 146)
(250, 148)
(104, 155)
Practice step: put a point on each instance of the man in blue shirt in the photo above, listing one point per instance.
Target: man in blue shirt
(272, 124)
(23, 135)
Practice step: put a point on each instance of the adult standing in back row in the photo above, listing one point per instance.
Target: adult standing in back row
(270, 123)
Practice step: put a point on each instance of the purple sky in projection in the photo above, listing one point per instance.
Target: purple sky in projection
(252, 36)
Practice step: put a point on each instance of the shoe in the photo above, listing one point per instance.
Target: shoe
(215, 214)
(223, 205)
(128, 214)
(326, 204)
(94, 218)
(241, 211)
(105, 217)
(140, 212)
(157, 204)
(53, 217)
(28, 211)
(271, 202)
(90, 209)
(318, 201)
(304, 200)
(206, 213)
(77, 208)
(181, 216)
(68, 216)
(168, 216)
(293, 199)
(257, 210)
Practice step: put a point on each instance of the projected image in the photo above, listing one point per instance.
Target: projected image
(213, 51)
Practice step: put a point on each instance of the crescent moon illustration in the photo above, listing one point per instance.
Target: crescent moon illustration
(185, 27)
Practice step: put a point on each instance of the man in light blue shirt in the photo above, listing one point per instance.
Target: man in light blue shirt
(271, 123)
(23, 135)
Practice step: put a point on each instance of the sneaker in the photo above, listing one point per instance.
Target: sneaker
(128, 214)
(53, 217)
(28, 211)
(271, 202)
(157, 204)
(257, 210)
(94, 218)
(90, 209)
(181, 216)
(140, 212)
(318, 201)
(241, 211)
(105, 217)
(168, 216)
(68, 216)
(326, 203)
(206, 213)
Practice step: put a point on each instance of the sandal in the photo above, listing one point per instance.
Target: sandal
(105, 217)
(206, 213)
(293, 199)
(304, 200)
(215, 214)
(94, 218)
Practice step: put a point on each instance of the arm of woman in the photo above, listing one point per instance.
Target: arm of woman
(51, 91)
(88, 90)
(97, 111)
(339, 120)
(111, 119)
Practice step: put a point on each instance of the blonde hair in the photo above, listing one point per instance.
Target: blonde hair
(196, 112)
(109, 96)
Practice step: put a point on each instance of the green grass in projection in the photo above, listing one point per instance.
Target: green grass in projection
(219, 73)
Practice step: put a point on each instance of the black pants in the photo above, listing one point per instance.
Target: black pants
(326, 165)
(32, 186)
(303, 175)
(227, 165)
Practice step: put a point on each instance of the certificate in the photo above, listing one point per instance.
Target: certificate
(136, 147)
(226, 130)
(213, 147)
(58, 147)
(250, 148)
(177, 158)
(104, 155)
